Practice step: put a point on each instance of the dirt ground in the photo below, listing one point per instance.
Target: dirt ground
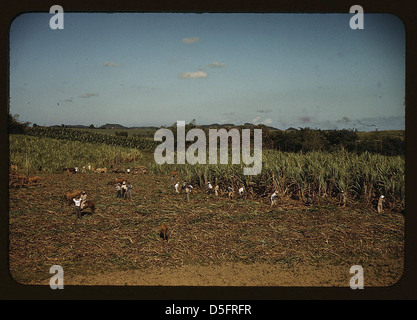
(212, 241)
(238, 274)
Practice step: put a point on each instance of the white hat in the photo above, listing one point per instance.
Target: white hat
(382, 196)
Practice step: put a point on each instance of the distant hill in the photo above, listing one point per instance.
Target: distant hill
(77, 126)
(203, 126)
(231, 125)
(112, 126)
(145, 128)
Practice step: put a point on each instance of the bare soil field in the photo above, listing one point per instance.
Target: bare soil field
(213, 241)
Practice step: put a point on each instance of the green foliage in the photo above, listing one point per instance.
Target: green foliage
(363, 176)
(29, 153)
(91, 137)
(306, 140)
(122, 134)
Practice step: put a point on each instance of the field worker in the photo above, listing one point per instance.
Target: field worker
(76, 169)
(241, 190)
(216, 190)
(83, 198)
(177, 186)
(230, 192)
(274, 198)
(83, 170)
(380, 203)
(129, 192)
(128, 170)
(342, 199)
(209, 188)
(188, 190)
(184, 185)
(89, 167)
(124, 189)
(119, 191)
(77, 202)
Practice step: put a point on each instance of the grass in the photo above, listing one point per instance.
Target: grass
(30, 153)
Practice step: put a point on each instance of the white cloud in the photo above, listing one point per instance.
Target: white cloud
(190, 40)
(193, 75)
(216, 64)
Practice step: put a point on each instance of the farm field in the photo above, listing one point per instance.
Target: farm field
(260, 153)
(213, 241)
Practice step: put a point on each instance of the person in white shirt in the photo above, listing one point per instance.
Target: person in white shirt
(209, 188)
(77, 202)
(241, 191)
(274, 199)
(124, 189)
(177, 186)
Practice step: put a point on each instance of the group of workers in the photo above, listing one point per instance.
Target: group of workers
(124, 190)
(274, 197)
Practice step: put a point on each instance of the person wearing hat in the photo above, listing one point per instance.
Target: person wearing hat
(380, 203)
(209, 188)
(83, 198)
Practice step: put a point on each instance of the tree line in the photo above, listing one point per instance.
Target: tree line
(305, 140)
(302, 140)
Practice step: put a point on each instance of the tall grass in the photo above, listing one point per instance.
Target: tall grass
(364, 177)
(30, 153)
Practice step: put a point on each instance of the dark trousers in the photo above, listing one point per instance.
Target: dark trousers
(78, 211)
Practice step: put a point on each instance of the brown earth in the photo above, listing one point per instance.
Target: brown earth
(212, 241)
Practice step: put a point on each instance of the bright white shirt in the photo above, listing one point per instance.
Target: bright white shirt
(77, 202)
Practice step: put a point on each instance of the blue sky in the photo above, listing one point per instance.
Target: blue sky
(139, 69)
